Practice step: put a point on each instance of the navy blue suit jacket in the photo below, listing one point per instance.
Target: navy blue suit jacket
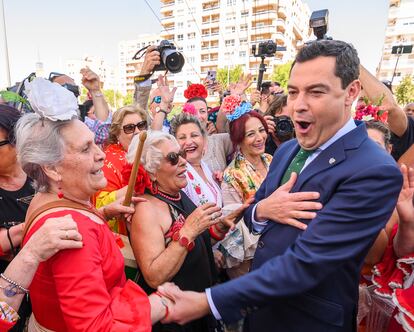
(308, 280)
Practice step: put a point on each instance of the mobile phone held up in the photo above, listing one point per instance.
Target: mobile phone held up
(211, 76)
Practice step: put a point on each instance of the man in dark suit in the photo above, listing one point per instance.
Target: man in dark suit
(308, 280)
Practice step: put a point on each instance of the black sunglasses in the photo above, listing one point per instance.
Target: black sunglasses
(174, 157)
(4, 142)
(130, 128)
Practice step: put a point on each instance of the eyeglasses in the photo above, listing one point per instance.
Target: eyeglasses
(4, 142)
(156, 99)
(130, 128)
(174, 157)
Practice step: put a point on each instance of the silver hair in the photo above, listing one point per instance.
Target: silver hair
(39, 143)
(152, 156)
(185, 118)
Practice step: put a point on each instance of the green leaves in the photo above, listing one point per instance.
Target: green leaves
(12, 97)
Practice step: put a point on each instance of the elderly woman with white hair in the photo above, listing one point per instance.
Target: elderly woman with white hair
(169, 234)
(77, 289)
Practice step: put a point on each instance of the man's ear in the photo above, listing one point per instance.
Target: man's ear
(52, 173)
(353, 90)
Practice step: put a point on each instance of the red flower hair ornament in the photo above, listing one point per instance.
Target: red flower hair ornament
(195, 90)
(143, 179)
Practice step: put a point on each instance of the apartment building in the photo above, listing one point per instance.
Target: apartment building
(399, 31)
(214, 34)
(129, 68)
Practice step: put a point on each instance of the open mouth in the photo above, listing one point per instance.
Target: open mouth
(190, 149)
(98, 172)
(181, 175)
(303, 124)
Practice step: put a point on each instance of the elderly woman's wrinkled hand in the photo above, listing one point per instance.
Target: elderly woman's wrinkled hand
(201, 219)
(54, 235)
(116, 209)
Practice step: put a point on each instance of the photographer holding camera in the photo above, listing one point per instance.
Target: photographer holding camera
(280, 125)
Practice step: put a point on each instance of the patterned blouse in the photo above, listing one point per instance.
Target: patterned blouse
(241, 180)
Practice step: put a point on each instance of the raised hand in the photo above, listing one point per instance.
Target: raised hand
(241, 86)
(167, 95)
(152, 58)
(405, 206)
(90, 80)
(285, 207)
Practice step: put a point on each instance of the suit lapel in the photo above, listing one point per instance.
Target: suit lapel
(328, 158)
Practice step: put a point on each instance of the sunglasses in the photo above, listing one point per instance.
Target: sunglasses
(174, 157)
(156, 99)
(4, 142)
(130, 128)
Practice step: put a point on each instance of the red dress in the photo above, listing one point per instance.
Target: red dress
(390, 277)
(86, 289)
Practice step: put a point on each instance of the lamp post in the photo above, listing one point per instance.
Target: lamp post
(399, 50)
(6, 50)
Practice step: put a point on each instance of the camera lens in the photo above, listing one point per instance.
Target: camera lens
(271, 48)
(173, 60)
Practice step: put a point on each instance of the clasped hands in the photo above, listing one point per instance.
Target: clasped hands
(183, 306)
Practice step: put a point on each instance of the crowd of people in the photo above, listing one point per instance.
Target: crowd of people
(271, 210)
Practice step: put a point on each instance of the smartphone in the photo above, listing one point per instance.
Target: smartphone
(211, 76)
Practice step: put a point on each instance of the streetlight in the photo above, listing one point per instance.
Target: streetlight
(6, 50)
(399, 50)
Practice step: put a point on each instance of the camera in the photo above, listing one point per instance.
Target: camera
(284, 129)
(319, 23)
(171, 60)
(265, 49)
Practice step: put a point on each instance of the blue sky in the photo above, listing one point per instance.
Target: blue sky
(61, 30)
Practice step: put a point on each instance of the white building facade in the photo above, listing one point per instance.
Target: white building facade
(399, 31)
(214, 34)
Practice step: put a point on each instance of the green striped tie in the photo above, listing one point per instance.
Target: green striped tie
(297, 164)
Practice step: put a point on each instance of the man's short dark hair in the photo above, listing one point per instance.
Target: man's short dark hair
(347, 61)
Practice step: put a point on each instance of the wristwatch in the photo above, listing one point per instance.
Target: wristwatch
(183, 241)
(97, 94)
(160, 110)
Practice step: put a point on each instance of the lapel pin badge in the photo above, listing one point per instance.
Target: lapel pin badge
(332, 161)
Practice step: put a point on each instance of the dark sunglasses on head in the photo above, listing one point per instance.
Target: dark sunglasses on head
(4, 142)
(156, 99)
(174, 157)
(130, 128)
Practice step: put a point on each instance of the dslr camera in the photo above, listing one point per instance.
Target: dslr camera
(171, 60)
(284, 129)
(265, 49)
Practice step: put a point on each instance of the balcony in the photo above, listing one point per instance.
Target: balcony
(263, 15)
(166, 4)
(211, 5)
(167, 19)
(281, 25)
(261, 3)
(282, 12)
(262, 29)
